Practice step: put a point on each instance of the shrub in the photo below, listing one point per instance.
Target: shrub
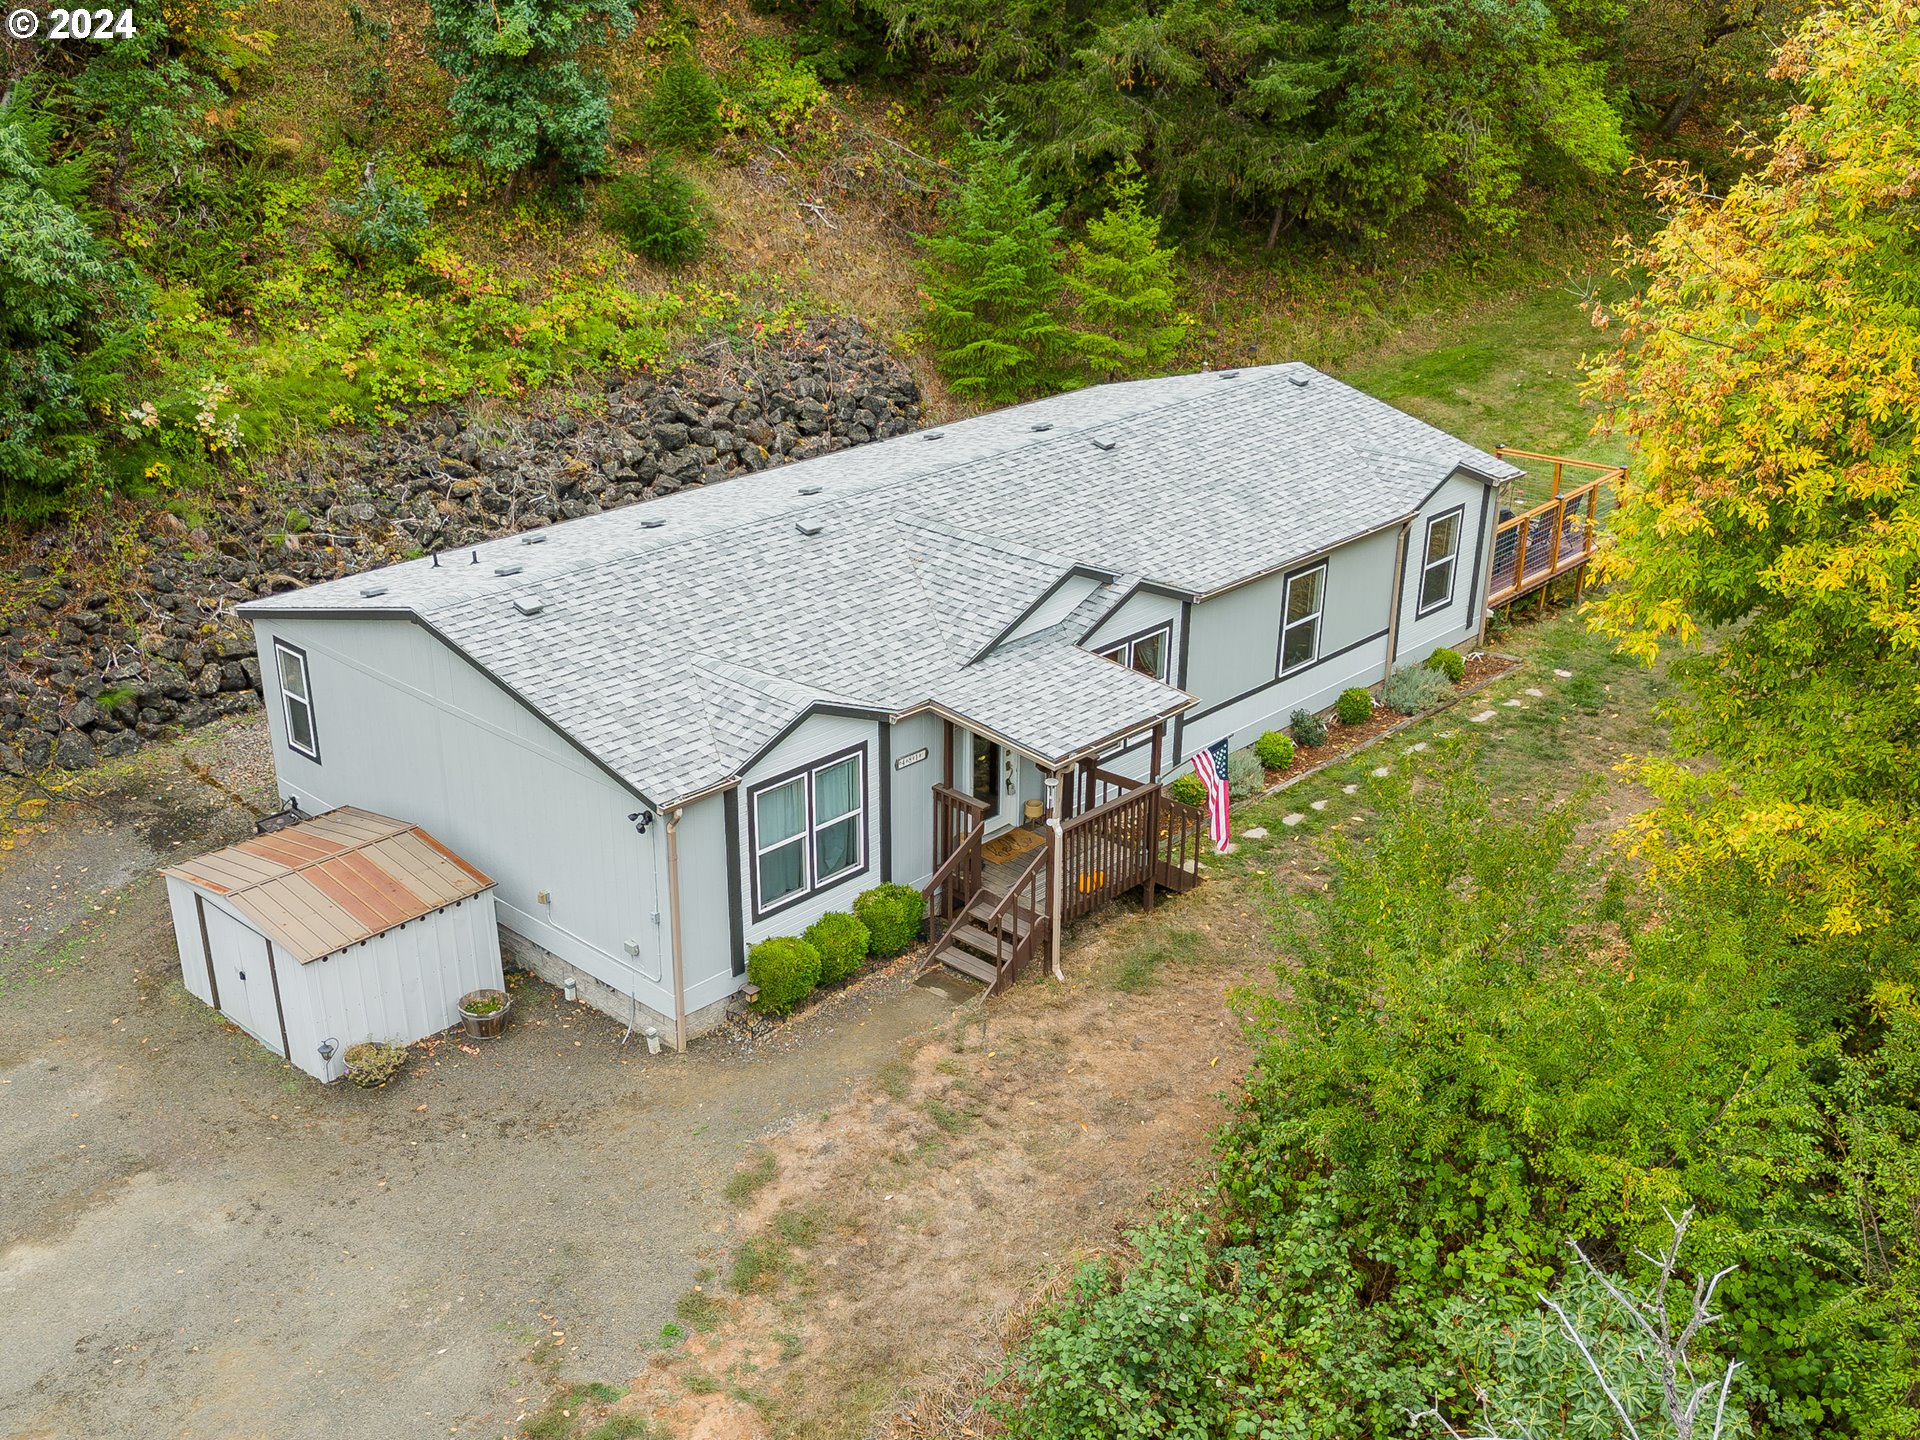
(1414, 689)
(1449, 664)
(1274, 749)
(371, 1064)
(1307, 728)
(658, 213)
(892, 915)
(684, 110)
(1246, 776)
(389, 218)
(1355, 706)
(842, 942)
(785, 969)
(1188, 790)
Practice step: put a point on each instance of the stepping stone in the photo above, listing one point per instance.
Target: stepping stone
(1293, 819)
(1536, 694)
(1563, 674)
(1420, 747)
(1481, 718)
(1349, 789)
(1380, 772)
(1515, 704)
(1258, 832)
(1318, 805)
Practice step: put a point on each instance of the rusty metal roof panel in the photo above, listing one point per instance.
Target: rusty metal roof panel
(335, 880)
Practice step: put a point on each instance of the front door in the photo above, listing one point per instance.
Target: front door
(986, 775)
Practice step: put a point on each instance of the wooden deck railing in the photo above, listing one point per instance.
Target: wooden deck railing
(1552, 539)
(958, 823)
(1108, 850)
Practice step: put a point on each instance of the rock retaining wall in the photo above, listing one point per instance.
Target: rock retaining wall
(92, 668)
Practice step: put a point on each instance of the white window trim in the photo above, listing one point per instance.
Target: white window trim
(809, 835)
(1122, 652)
(1451, 559)
(289, 698)
(1313, 619)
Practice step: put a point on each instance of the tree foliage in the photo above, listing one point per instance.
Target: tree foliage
(1124, 287)
(1769, 376)
(992, 277)
(522, 97)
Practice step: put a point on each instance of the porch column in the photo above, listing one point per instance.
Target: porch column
(1153, 755)
(948, 771)
(1057, 789)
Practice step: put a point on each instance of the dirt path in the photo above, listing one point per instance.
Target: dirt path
(197, 1241)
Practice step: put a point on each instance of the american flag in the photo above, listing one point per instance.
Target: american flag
(1210, 765)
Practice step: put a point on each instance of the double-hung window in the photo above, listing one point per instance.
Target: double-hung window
(809, 830)
(1146, 653)
(296, 699)
(1300, 625)
(1442, 558)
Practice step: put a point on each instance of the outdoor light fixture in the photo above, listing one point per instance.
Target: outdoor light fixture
(1053, 794)
(327, 1047)
(641, 820)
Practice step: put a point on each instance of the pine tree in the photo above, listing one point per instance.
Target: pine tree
(993, 277)
(1125, 287)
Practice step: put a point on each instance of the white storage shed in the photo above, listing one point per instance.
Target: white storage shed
(344, 927)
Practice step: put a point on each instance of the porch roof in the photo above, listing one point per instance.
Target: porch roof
(672, 640)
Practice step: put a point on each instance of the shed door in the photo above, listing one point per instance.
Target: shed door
(246, 989)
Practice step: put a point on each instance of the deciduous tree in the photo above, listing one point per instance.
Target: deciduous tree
(1769, 376)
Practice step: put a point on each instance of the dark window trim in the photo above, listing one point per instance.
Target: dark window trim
(1458, 513)
(313, 718)
(1280, 670)
(811, 888)
(1127, 643)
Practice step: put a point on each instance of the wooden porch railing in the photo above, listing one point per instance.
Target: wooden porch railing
(1552, 539)
(959, 820)
(1108, 850)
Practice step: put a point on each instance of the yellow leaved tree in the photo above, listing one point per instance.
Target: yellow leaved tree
(1768, 373)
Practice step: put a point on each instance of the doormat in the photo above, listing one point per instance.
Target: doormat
(1013, 843)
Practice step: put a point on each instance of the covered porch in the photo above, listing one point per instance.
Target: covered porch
(999, 897)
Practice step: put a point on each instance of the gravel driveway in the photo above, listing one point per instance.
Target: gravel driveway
(197, 1240)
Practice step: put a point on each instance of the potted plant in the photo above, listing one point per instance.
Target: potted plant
(484, 1012)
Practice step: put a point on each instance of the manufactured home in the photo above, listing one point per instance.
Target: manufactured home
(672, 730)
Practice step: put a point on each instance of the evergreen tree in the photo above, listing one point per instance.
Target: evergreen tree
(523, 98)
(684, 109)
(1125, 287)
(992, 277)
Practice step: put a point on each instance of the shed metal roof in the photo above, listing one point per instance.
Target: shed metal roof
(671, 640)
(335, 880)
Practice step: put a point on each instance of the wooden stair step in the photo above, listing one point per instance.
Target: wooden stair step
(968, 963)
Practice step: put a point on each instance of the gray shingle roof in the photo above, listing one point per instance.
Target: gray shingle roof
(675, 639)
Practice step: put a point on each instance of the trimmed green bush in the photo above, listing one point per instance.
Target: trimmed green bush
(1188, 790)
(1414, 689)
(785, 969)
(892, 915)
(842, 942)
(1449, 664)
(1307, 728)
(1354, 707)
(658, 213)
(1274, 750)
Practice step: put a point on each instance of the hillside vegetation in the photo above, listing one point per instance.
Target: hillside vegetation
(250, 224)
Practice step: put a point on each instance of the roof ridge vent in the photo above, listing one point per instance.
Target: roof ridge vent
(808, 527)
(526, 605)
(513, 569)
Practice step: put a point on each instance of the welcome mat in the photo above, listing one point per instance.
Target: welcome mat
(1008, 846)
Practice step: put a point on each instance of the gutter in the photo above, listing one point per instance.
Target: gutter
(673, 918)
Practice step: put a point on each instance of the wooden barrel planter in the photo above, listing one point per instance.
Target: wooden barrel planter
(484, 1013)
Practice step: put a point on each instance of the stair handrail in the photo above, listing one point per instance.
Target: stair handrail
(990, 922)
(967, 850)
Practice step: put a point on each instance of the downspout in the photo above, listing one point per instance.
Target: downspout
(673, 918)
(1056, 873)
(1399, 596)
